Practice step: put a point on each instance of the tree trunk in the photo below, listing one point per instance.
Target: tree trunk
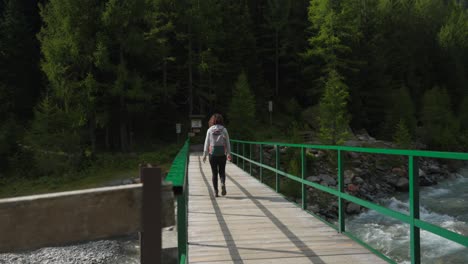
(276, 62)
(165, 79)
(92, 134)
(107, 139)
(190, 67)
(123, 127)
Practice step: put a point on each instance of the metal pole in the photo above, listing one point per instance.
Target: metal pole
(303, 174)
(238, 153)
(415, 245)
(243, 156)
(341, 214)
(181, 225)
(250, 156)
(277, 168)
(261, 162)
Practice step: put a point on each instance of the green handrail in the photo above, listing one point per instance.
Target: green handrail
(412, 219)
(178, 176)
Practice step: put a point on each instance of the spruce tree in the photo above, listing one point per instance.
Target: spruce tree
(241, 113)
(401, 109)
(402, 136)
(439, 123)
(334, 119)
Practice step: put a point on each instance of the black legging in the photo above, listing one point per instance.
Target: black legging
(218, 164)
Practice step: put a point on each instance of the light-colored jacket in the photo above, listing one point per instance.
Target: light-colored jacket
(217, 141)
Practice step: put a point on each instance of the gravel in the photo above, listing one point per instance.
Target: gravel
(125, 251)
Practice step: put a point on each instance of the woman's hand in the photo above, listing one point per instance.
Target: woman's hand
(229, 157)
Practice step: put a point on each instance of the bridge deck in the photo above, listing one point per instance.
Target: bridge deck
(253, 224)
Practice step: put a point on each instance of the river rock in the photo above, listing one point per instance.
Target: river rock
(313, 178)
(348, 174)
(353, 155)
(353, 208)
(399, 171)
(358, 180)
(352, 188)
(421, 173)
(391, 178)
(313, 208)
(425, 180)
(402, 184)
(328, 179)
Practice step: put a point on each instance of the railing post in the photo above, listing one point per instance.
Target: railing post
(261, 162)
(277, 168)
(243, 156)
(413, 172)
(250, 156)
(303, 174)
(341, 211)
(151, 215)
(181, 224)
(237, 156)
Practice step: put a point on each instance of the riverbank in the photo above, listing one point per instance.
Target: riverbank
(106, 169)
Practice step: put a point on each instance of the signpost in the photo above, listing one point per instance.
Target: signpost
(270, 109)
(178, 130)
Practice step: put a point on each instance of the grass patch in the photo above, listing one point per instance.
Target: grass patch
(103, 170)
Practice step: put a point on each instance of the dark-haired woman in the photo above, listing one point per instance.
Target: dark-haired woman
(218, 148)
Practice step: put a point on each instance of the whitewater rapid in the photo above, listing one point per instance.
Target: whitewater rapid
(444, 205)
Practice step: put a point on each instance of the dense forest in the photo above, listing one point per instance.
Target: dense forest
(82, 77)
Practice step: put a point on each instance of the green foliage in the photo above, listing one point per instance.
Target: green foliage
(454, 34)
(334, 25)
(334, 120)
(440, 126)
(241, 113)
(402, 110)
(9, 137)
(402, 136)
(55, 139)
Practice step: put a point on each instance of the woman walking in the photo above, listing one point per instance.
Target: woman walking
(218, 148)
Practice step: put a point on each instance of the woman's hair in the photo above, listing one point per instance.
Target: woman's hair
(216, 119)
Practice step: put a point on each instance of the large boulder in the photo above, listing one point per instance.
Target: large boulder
(330, 181)
(353, 208)
(402, 184)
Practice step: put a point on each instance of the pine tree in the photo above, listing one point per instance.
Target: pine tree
(463, 121)
(241, 113)
(334, 119)
(402, 136)
(68, 44)
(439, 123)
(277, 18)
(402, 109)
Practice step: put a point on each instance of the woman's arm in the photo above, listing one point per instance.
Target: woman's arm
(207, 145)
(228, 144)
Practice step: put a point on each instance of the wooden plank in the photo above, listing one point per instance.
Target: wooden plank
(253, 224)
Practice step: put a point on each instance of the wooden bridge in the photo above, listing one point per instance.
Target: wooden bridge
(254, 224)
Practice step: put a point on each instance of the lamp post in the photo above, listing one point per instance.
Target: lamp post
(270, 109)
(178, 130)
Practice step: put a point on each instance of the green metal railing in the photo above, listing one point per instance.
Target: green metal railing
(412, 219)
(178, 176)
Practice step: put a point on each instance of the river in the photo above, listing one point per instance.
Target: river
(444, 205)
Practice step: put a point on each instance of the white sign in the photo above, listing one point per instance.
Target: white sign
(270, 106)
(196, 123)
(178, 127)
